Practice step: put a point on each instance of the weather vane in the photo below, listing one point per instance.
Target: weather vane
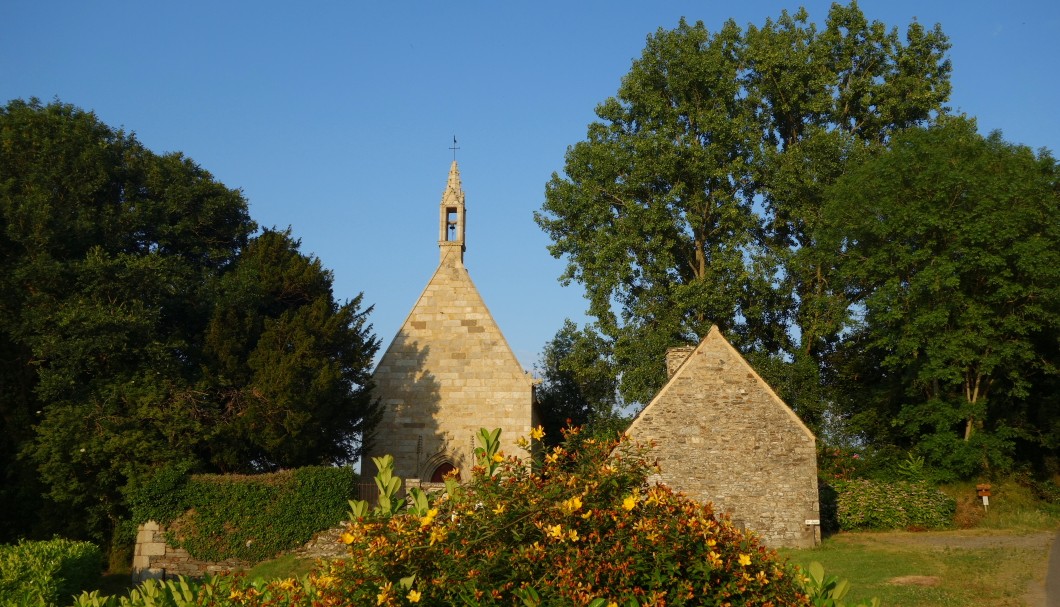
(454, 148)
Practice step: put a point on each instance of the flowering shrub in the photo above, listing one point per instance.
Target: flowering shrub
(838, 464)
(576, 525)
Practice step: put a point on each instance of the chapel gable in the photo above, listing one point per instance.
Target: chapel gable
(449, 370)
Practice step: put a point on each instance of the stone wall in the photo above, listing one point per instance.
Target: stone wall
(154, 558)
(722, 435)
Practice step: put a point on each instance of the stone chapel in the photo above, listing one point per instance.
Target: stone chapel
(449, 370)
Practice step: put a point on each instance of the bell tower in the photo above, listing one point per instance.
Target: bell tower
(451, 220)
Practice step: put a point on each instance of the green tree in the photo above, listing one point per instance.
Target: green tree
(578, 383)
(292, 367)
(952, 239)
(105, 246)
(657, 214)
(120, 268)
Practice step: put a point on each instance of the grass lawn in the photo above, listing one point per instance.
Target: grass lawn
(1001, 562)
(905, 569)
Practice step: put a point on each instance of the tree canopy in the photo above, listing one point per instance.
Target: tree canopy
(659, 213)
(888, 270)
(143, 323)
(951, 238)
(578, 384)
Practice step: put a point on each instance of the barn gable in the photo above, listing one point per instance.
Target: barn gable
(723, 435)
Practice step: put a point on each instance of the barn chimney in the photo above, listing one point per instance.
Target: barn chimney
(675, 357)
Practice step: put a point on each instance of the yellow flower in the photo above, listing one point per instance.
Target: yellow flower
(522, 442)
(236, 595)
(745, 560)
(497, 457)
(587, 514)
(287, 584)
(711, 542)
(326, 581)
(629, 503)
(428, 518)
(715, 558)
(572, 505)
(413, 596)
(612, 604)
(573, 535)
(499, 509)
(553, 457)
(438, 534)
(537, 433)
(347, 538)
(384, 592)
(555, 531)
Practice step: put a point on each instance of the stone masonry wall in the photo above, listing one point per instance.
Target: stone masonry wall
(153, 558)
(448, 373)
(724, 436)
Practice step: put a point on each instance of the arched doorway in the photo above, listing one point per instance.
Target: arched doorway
(438, 476)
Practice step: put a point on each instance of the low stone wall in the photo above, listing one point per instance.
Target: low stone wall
(155, 559)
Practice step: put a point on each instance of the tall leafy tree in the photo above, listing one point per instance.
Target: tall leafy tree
(120, 268)
(578, 382)
(952, 239)
(685, 205)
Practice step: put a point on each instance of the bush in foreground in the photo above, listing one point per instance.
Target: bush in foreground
(47, 573)
(576, 525)
(579, 526)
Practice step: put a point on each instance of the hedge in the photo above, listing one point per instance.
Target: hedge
(866, 504)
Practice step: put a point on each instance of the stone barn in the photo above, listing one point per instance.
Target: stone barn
(722, 435)
(449, 370)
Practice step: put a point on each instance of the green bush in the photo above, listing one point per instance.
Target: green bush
(249, 518)
(49, 572)
(866, 504)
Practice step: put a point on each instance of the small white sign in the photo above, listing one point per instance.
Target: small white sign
(813, 521)
(986, 500)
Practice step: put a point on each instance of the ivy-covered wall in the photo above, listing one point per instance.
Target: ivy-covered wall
(198, 524)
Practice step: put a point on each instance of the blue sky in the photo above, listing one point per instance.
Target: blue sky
(336, 118)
